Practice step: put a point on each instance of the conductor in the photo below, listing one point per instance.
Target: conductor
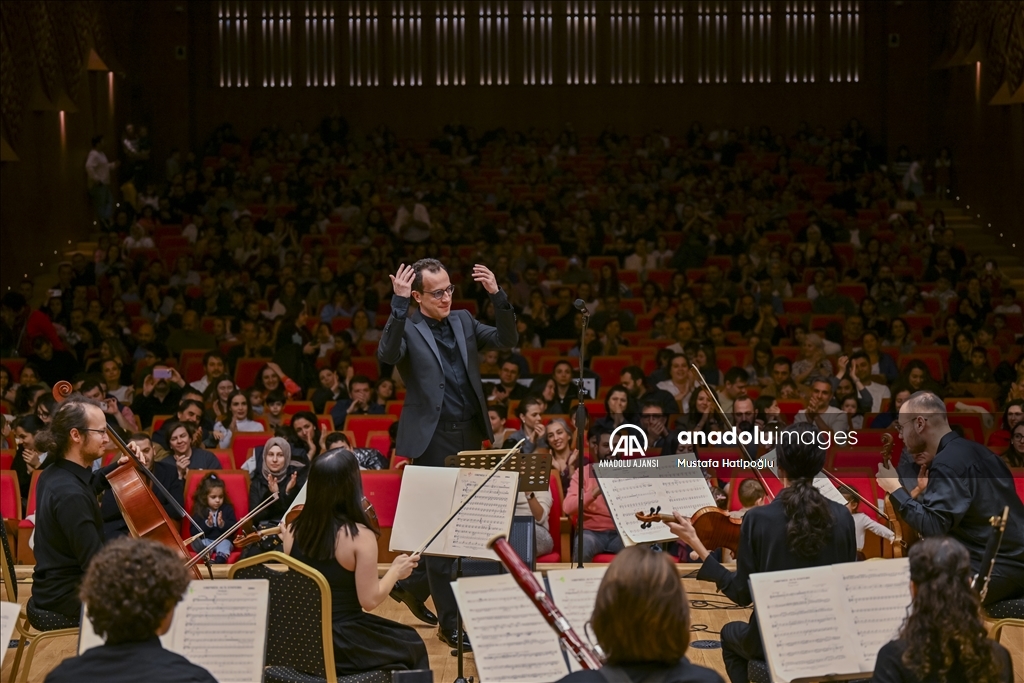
(435, 350)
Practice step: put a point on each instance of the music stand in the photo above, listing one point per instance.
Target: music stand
(534, 475)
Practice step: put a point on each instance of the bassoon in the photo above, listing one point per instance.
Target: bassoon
(581, 651)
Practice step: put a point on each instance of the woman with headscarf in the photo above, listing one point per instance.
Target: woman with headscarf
(275, 473)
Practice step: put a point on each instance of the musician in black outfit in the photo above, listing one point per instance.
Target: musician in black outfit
(131, 589)
(166, 473)
(642, 622)
(799, 529)
(69, 526)
(956, 491)
(944, 636)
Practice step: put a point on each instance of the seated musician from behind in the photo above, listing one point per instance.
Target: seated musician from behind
(333, 536)
(641, 620)
(799, 529)
(130, 591)
(751, 495)
(863, 522)
(600, 535)
(944, 637)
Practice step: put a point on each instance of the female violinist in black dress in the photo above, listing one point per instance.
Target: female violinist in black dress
(333, 536)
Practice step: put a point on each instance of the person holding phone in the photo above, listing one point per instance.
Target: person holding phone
(161, 394)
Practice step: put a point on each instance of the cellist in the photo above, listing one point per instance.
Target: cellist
(69, 525)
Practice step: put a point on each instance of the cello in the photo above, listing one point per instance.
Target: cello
(904, 534)
(142, 511)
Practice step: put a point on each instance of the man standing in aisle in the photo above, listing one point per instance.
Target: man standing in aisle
(435, 350)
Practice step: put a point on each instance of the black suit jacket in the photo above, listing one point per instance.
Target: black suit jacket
(408, 343)
(763, 548)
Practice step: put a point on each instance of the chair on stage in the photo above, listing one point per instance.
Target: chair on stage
(1005, 613)
(298, 617)
(24, 631)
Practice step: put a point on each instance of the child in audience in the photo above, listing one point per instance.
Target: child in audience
(978, 371)
(862, 522)
(273, 409)
(497, 413)
(751, 495)
(255, 397)
(851, 406)
(214, 514)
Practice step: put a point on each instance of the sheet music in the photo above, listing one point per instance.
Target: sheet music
(224, 629)
(9, 612)
(877, 596)
(686, 494)
(487, 515)
(511, 640)
(625, 497)
(574, 591)
(424, 501)
(828, 489)
(802, 624)
(219, 625)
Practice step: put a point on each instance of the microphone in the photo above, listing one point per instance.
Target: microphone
(581, 306)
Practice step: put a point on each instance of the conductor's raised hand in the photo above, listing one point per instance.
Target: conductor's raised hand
(404, 564)
(485, 277)
(401, 282)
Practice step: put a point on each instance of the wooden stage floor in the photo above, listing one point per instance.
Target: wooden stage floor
(709, 612)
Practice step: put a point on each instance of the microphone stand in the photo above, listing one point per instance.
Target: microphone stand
(581, 422)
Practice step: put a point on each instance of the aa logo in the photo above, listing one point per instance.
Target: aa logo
(628, 445)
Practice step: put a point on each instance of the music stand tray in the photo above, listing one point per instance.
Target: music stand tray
(534, 468)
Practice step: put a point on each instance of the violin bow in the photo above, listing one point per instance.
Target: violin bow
(711, 393)
(63, 389)
(512, 451)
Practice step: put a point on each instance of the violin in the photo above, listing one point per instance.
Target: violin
(714, 526)
(142, 511)
(256, 536)
(904, 534)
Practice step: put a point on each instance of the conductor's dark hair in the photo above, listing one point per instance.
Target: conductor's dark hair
(72, 414)
(809, 516)
(944, 627)
(334, 497)
(130, 586)
(641, 613)
(431, 265)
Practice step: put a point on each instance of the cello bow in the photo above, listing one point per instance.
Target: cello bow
(142, 512)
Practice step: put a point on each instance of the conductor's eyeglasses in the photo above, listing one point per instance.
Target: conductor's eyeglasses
(440, 293)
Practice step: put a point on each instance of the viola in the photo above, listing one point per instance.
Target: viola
(130, 483)
(293, 514)
(714, 527)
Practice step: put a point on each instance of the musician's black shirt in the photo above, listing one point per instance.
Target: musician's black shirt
(967, 484)
(889, 666)
(69, 531)
(129, 663)
(764, 548)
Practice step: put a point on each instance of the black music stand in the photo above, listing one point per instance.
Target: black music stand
(534, 475)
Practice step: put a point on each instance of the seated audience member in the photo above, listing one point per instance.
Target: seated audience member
(273, 410)
(368, 458)
(238, 419)
(814, 361)
(819, 412)
(978, 372)
(130, 590)
(331, 389)
(164, 471)
(1013, 413)
(562, 443)
(497, 414)
(863, 522)
(53, 364)
(180, 436)
(530, 412)
(600, 534)
(641, 620)
(160, 396)
(274, 472)
(214, 514)
(751, 495)
(119, 417)
(189, 410)
(801, 527)
(360, 390)
(508, 387)
(309, 436)
(900, 393)
(619, 407)
(944, 637)
(27, 458)
(1014, 453)
(214, 365)
(537, 504)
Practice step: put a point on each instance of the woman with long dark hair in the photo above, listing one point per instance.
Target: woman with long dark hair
(800, 528)
(333, 536)
(944, 637)
(1014, 454)
(619, 407)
